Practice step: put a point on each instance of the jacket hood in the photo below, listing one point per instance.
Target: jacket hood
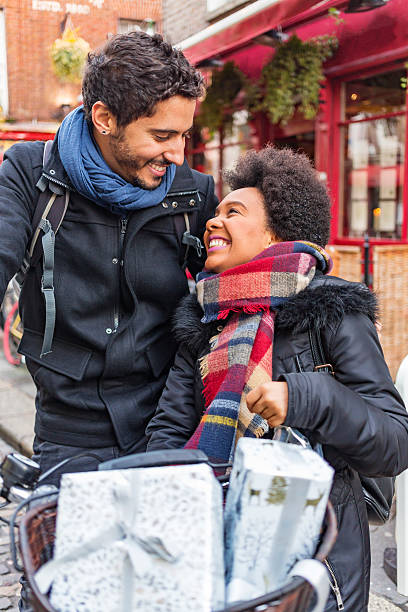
(323, 304)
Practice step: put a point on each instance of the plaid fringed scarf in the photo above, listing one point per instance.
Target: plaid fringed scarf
(240, 358)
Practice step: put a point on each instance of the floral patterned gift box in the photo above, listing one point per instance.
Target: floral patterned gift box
(139, 539)
(274, 511)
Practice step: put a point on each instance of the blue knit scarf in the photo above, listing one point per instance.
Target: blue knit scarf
(93, 178)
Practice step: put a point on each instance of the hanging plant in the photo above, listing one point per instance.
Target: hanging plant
(292, 78)
(68, 56)
(217, 109)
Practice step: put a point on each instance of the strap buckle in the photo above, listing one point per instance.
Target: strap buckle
(193, 241)
(324, 366)
(45, 287)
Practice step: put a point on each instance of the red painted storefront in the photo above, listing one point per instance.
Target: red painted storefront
(359, 139)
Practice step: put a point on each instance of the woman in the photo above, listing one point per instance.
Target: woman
(247, 366)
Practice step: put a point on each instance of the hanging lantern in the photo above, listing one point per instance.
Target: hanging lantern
(360, 6)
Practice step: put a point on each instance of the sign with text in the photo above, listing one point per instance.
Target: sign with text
(67, 7)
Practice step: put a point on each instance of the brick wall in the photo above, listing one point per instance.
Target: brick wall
(182, 18)
(31, 28)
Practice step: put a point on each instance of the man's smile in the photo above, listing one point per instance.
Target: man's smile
(158, 169)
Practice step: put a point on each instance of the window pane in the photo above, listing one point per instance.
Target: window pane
(208, 155)
(374, 177)
(4, 101)
(136, 25)
(376, 95)
(300, 143)
(236, 143)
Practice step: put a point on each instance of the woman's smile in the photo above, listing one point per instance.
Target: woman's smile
(217, 242)
(238, 231)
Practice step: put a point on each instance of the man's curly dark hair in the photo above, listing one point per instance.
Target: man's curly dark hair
(296, 202)
(132, 72)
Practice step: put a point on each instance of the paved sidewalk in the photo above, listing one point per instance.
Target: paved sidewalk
(9, 576)
(17, 394)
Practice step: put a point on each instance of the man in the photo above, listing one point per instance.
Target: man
(118, 268)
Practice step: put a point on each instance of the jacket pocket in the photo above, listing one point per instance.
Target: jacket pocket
(160, 355)
(65, 358)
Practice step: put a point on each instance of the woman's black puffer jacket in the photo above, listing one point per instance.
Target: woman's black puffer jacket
(357, 415)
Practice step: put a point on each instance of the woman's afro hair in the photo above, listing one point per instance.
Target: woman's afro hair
(296, 202)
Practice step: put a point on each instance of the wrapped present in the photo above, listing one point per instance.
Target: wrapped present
(274, 511)
(139, 539)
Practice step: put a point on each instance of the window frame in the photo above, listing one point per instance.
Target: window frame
(336, 181)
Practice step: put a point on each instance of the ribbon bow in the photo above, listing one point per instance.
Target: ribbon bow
(139, 551)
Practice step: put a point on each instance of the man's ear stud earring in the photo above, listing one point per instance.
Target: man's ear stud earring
(104, 132)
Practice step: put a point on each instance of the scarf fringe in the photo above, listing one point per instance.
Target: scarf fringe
(208, 391)
(247, 309)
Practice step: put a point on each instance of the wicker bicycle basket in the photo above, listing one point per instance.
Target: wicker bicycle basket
(37, 534)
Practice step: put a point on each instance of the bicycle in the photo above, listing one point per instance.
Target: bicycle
(19, 476)
(11, 323)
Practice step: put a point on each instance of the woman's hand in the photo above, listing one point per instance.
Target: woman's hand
(270, 401)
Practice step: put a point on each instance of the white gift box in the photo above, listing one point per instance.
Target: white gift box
(138, 539)
(274, 511)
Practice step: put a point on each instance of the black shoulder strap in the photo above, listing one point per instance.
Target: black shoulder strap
(48, 215)
(319, 359)
(183, 229)
(51, 206)
(186, 225)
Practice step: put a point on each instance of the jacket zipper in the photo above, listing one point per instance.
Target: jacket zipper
(51, 179)
(335, 587)
(123, 228)
(181, 193)
(315, 354)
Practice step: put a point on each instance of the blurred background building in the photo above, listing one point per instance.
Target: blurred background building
(357, 138)
(34, 94)
(326, 77)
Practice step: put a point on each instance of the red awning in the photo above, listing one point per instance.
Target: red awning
(245, 30)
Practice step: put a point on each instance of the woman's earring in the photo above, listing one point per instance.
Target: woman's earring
(104, 132)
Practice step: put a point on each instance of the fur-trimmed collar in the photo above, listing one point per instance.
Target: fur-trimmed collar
(324, 303)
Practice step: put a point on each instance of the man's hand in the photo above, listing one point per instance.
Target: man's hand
(270, 401)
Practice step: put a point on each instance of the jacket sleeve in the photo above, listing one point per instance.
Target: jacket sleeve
(358, 411)
(206, 189)
(176, 416)
(18, 196)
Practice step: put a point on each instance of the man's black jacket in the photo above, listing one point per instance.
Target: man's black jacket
(116, 285)
(358, 416)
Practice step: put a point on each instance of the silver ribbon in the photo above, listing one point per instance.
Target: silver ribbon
(139, 551)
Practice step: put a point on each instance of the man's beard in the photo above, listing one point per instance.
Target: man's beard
(129, 164)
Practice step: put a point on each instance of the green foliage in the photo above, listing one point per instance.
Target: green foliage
(68, 56)
(336, 15)
(218, 107)
(404, 80)
(292, 78)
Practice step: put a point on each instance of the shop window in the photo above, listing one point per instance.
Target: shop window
(298, 134)
(3, 67)
(373, 144)
(134, 25)
(213, 154)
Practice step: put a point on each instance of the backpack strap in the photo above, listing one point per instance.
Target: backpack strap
(47, 284)
(48, 216)
(319, 359)
(184, 232)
